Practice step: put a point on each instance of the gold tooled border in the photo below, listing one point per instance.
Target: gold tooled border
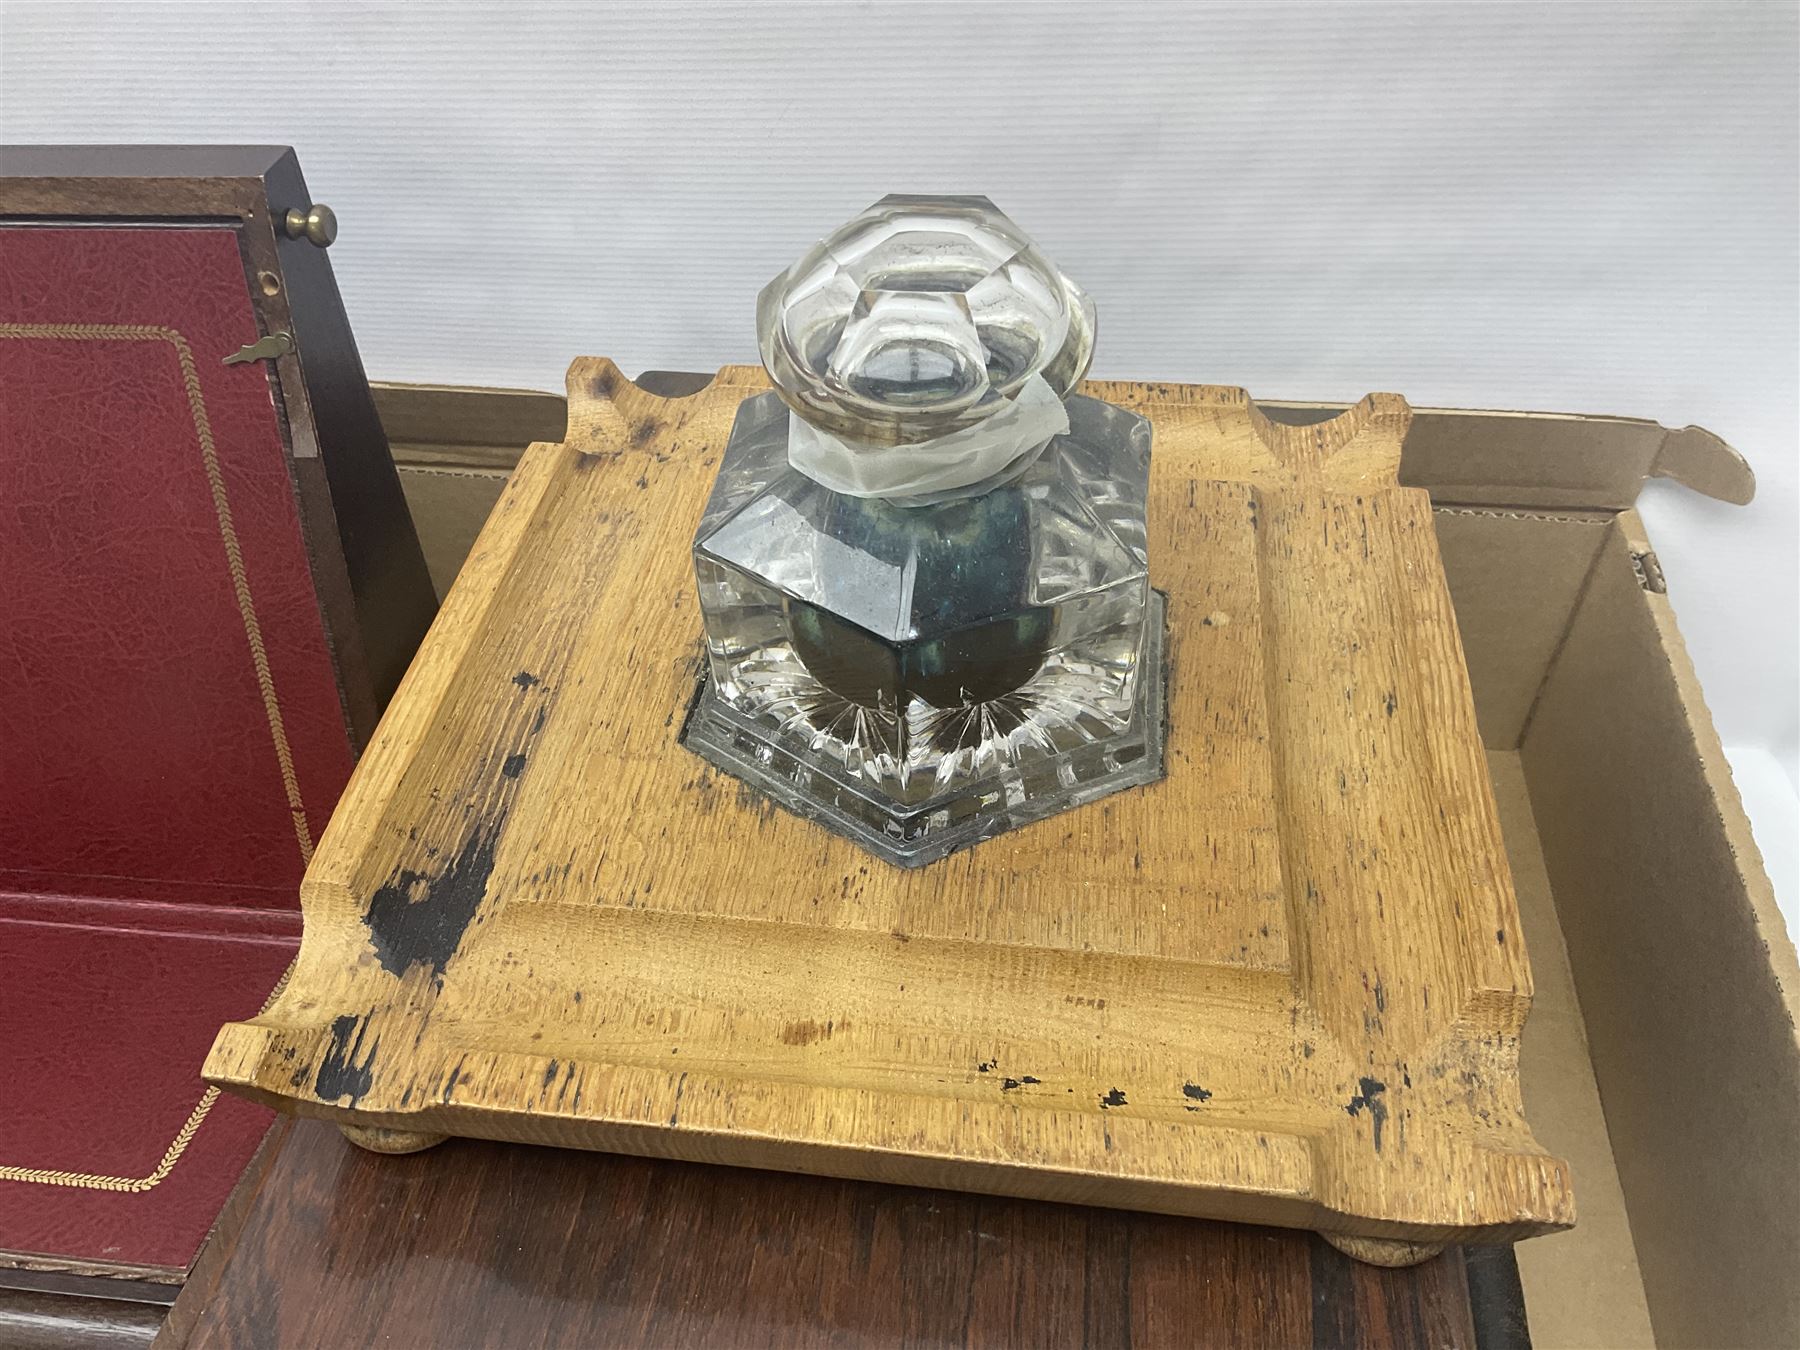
(240, 581)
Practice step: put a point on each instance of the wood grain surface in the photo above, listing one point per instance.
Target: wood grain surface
(35, 1320)
(1285, 985)
(486, 1245)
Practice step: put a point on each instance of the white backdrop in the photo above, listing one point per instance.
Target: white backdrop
(1577, 207)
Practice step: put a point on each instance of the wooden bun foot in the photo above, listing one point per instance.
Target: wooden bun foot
(1383, 1251)
(379, 1140)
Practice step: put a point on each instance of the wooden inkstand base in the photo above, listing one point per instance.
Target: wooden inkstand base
(1284, 985)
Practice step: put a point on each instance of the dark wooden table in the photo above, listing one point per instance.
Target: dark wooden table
(492, 1245)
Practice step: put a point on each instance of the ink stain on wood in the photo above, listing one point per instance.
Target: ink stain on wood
(1013, 1084)
(1113, 1098)
(1195, 1093)
(1368, 1098)
(347, 1069)
(419, 920)
(749, 799)
(806, 1031)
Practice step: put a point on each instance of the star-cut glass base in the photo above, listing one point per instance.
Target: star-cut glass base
(922, 677)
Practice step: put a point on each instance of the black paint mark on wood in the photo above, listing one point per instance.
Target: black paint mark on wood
(347, 1069)
(1195, 1094)
(419, 920)
(1010, 1084)
(514, 766)
(1368, 1098)
(1112, 1099)
(525, 679)
(569, 1081)
(986, 1066)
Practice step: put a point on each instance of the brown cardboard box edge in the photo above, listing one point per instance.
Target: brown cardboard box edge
(1661, 1056)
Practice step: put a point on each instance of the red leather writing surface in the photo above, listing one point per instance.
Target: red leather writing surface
(171, 737)
(106, 1026)
(138, 755)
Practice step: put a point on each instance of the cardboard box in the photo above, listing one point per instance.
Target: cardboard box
(1661, 1056)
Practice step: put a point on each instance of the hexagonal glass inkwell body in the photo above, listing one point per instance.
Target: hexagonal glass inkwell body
(923, 566)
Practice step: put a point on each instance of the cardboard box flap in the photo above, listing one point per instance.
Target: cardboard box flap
(1562, 461)
(1693, 456)
(1532, 461)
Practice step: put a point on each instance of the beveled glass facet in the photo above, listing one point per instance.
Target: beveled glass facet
(919, 318)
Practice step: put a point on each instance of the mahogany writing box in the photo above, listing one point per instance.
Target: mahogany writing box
(209, 585)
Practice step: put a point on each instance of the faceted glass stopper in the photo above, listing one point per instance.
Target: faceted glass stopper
(922, 672)
(920, 317)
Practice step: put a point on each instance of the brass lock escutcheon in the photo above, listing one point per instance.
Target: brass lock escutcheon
(263, 349)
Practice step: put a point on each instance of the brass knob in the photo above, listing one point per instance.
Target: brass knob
(317, 224)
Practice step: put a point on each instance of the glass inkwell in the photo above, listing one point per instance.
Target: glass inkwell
(923, 565)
